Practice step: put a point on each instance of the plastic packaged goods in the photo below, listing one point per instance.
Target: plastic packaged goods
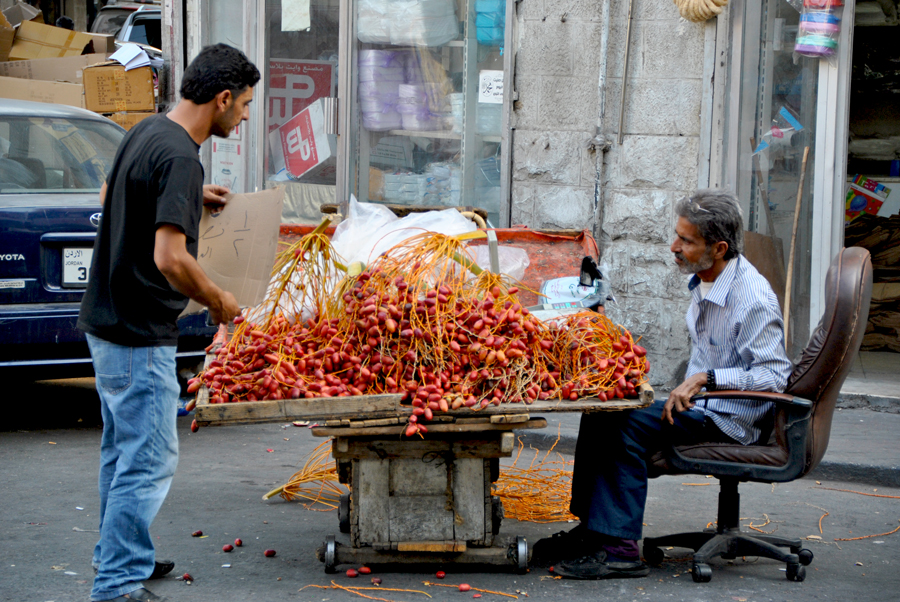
(421, 121)
(383, 58)
(820, 28)
(490, 22)
(373, 22)
(376, 73)
(376, 104)
(380, 122)
(423, 22)
(379, 89)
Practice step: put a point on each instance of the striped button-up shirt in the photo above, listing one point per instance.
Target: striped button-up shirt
(738, 332)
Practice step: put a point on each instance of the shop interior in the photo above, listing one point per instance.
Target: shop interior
(873, 178)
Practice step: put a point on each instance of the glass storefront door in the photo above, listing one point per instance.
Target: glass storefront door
(427, 103)
(777, 105)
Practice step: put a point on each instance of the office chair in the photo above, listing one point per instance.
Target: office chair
(799, 437)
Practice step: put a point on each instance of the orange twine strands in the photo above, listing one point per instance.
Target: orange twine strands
(893, 497)
(356, 590)
(866, 536)
(483, 591)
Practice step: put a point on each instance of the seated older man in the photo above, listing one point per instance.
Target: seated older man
(737, 342)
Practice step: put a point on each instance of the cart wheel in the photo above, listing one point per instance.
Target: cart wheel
(344, 513)
(701, 573)
(521, 555)
(654, 556)
(330, 551)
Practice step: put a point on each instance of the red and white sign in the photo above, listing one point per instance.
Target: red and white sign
(294, 85)
(301, 146)
(298, 144)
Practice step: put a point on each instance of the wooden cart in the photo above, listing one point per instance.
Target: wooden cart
(415, 500)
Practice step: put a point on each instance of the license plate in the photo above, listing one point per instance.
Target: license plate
(76, 266)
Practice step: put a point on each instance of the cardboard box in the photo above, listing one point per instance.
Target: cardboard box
(102, 43)
(22, 11)
(65, 69)
(37, 41)
(108, 88)
(7, 35)
(129, 120)
(236, 247)
(302, 148)
(42, 91)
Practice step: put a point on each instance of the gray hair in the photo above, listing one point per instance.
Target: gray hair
(718, 217)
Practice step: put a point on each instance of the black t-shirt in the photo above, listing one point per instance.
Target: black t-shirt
(157, 179)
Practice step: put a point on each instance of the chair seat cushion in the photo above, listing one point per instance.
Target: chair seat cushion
(764, 455)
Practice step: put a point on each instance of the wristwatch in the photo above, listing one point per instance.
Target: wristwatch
(710, 380)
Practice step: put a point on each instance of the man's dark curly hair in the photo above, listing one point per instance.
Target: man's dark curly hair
(217, 68)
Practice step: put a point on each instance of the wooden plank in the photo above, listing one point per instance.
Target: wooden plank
(371, 481)
(468, 499)
(376, 407)
(331, 408)
(417, 518)
(488, 446)
(431, 546)
(509, 418)
(495, 555)
(534, 423)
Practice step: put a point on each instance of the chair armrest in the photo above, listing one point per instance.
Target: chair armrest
(798, 411)
(783, 399)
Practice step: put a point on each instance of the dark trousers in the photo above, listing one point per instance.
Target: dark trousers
(609, 481)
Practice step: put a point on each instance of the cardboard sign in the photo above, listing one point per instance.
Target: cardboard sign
(236, 246)
(295, 85)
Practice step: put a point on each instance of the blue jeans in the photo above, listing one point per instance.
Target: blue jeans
(138, 454)
(609, 479)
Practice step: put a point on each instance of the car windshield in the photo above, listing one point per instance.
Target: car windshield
(110, 21)
(39, 154)
(144, 30)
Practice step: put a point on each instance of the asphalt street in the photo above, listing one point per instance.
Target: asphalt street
(49, 450)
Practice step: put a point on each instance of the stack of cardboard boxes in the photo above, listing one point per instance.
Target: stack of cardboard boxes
(42, 63)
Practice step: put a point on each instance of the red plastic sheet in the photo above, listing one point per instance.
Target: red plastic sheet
(551, 255)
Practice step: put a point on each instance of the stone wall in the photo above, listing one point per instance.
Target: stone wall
(569, 172)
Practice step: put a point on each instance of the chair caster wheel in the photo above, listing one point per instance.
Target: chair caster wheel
(330, 549)
(654, 556)
(796, 572)
(806, 556)
(344, 513)
(701, 573)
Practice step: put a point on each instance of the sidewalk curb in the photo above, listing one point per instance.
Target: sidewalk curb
(876, 403)
(880, 476)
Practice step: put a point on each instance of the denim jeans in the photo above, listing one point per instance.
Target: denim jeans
(138, 454)
(609, 479)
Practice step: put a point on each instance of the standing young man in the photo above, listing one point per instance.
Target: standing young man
(143, 272)
(737, 343)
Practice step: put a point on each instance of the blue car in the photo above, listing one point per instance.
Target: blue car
(53, 160)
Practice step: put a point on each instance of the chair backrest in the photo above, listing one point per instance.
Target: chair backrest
(825, 362)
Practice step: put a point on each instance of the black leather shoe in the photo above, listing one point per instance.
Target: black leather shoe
(598, 566)
(160, 569)
(565, 545)
(141, 594)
